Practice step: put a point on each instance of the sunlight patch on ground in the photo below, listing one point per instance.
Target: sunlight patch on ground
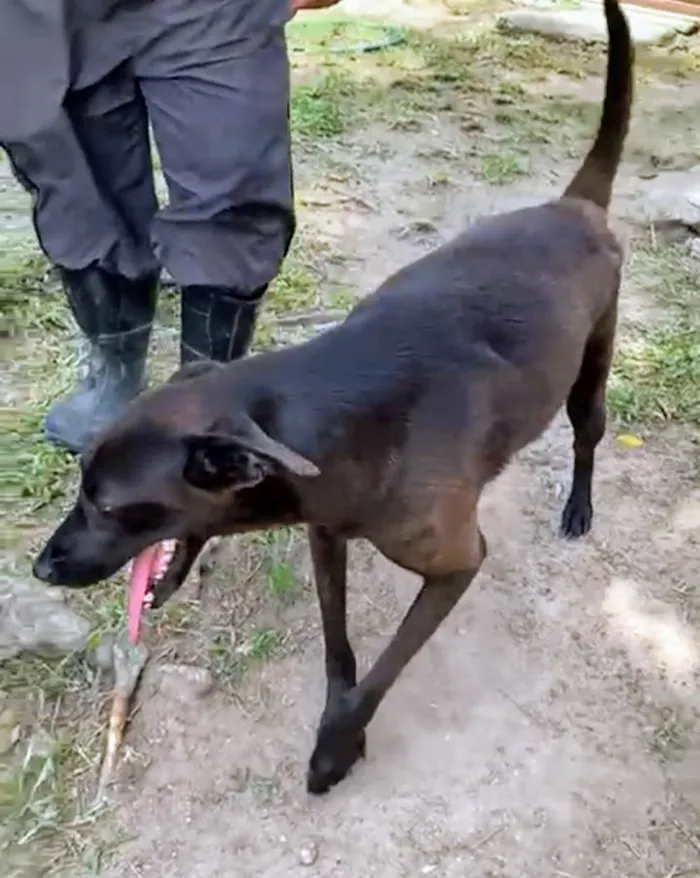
(652, 629)
(686, 518)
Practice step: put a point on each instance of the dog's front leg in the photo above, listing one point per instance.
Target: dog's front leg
(329, 555)
(341, 736)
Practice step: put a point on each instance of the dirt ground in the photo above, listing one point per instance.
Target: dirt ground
(550, 728)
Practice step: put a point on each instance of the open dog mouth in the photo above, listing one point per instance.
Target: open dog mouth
(155, 575)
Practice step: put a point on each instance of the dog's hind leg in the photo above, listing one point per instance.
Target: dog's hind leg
(586, 409)
(341, 735)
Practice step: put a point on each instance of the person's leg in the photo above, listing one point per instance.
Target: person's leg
(90, 178)
(220, 116)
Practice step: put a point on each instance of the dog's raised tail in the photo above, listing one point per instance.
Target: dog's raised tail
(594, 179)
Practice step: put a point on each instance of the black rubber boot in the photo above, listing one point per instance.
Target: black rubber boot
(217, 323)
(115, 315)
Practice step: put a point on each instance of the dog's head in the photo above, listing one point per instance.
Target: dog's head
(166, 475)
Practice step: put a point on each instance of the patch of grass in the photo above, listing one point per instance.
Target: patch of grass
(535, 57)
(294, 289)
(656, 371)
(479, 76)
(35, 474)
(656, 376)
(40, 471)
(279, 555)
(265, 790)
(105, 606)
(335, 32)
(438, 70)
(229, 659)
(225, 660)
(501, 168)
(669, 274)
(341, 299)
(447, 60)
(32, 798)
(438, 179)
(263, 644)
(30, 298)
(322, 108)
(46, 677)
(254, 620)
(44, 815)
(283, 581)
(679, 60)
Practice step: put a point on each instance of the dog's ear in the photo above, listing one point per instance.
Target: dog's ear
(251, 436)
(216, 460)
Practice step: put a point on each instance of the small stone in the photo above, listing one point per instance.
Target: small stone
(101, 656)
(672, 196)
(308, 854)
(35, 618)
(42, 744)
(184, 682)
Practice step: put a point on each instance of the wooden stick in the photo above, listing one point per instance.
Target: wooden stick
(128, 661)
(115, 738)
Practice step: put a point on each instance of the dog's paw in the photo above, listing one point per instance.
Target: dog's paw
(576, 518)
(338, 748)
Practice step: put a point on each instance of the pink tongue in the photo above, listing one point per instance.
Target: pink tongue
(138, 589)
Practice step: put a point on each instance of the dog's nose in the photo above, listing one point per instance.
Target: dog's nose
(43, 568)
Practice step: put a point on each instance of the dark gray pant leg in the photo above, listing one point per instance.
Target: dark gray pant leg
(111, 123)
(221, 123)
(91, 183)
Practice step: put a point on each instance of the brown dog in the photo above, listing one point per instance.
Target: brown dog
(387, 427)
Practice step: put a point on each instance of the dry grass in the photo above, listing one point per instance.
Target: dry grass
(656, 373)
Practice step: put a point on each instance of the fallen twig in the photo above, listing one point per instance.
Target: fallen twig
(687, 835)
(129, 662)
(487, 838)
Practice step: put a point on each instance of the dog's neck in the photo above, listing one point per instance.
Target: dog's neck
(272, 503)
